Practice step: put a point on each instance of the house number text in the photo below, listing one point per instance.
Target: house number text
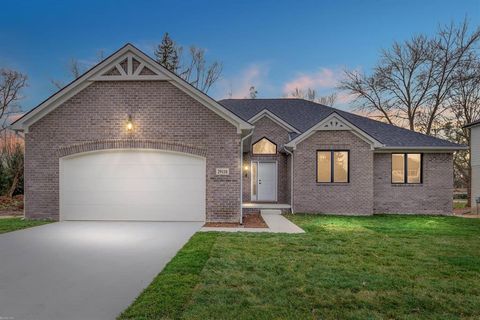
(223, 171)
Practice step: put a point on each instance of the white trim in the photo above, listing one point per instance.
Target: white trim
(274, 118)
(335, 122)
(241, 174)
(97, 74)
(431, 149)
(120, 69)
(261, 205)
(291, 177)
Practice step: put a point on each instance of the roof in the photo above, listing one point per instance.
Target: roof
(472, 124)
(303, 115)
(103, 72)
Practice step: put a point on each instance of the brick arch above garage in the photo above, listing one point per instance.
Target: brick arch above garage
(112, 144)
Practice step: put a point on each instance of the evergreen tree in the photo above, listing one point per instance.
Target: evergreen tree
(167, 53)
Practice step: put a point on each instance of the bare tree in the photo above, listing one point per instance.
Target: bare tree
(198, 72)
(11, 85)
(311, 95)
(328, 100)
(11, 164)
(464, 99)
(252, 92)
(11, 149)
(192, 67)
(75, 69)
(413, 79)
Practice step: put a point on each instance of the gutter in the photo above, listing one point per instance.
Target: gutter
(426, 148)
(291, 179)
(241, 174)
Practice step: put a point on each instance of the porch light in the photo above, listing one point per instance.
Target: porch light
(129, 123)
(245, 168)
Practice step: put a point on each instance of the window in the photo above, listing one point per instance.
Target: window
(264, 146)
(254, 180)
(333, 166)
(406, 168)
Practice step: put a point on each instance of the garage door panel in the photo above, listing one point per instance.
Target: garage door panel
(133, 185)
(151, 171)
(128, 196)
(120, 212)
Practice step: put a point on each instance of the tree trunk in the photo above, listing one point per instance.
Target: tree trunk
(14, 184)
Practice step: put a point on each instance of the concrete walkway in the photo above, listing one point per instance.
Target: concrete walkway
(276, 224)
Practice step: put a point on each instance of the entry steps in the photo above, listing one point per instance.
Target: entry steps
(270, 211)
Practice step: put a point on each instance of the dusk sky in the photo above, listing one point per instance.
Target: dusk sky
(273, 45)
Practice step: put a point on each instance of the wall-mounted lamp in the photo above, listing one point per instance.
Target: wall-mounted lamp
(245, 168)
(129, 123)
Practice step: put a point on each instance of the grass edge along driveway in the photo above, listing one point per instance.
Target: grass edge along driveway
(13, 224)
(377, 267)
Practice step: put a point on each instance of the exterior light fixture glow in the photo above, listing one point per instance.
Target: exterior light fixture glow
(129, 123)
(245, 168)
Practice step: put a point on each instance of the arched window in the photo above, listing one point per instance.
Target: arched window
(264, 146)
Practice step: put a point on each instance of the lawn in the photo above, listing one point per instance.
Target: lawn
(380, 267)
(12, 224)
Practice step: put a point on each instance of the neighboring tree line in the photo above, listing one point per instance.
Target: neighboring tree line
(429, 84)
(11, 145)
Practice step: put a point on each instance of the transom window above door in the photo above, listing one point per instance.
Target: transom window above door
(264, 146)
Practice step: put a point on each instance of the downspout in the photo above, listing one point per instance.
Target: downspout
(291, 179)
(241, 174)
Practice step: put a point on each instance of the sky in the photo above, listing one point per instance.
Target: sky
(276, 46)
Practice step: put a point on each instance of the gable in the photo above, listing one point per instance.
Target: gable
(335, 122)
(126, 64)
(268, 114)
(266, 127)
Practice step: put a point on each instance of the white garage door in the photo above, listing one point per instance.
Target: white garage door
(132, 185)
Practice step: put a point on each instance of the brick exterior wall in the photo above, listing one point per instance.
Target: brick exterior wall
(265, 127)
(355, 197)
(433, 196)
(164, 118)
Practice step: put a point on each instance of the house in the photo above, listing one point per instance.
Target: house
(129, 140)
(475, 163)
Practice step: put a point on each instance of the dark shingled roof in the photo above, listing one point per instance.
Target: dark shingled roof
(303, 114)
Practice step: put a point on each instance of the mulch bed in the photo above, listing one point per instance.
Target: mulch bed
(251, 220)
(11, 206)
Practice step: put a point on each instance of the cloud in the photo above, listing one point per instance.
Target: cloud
(239, 86)
(324, 79)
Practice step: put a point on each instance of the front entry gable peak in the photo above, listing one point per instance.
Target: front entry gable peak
(335, 122)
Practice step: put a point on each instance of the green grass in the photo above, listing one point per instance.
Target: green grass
(12, 224)
(380, 267)
(459, 204)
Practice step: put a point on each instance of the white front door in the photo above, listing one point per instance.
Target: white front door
(266, 181)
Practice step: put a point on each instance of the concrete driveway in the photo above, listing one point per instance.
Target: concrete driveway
(83, 270)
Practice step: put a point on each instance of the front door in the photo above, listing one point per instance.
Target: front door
(265, 182)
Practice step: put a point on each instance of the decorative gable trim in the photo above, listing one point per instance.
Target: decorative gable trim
(335, 122)
(274, 118)
(127, 63)
(129, 68)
